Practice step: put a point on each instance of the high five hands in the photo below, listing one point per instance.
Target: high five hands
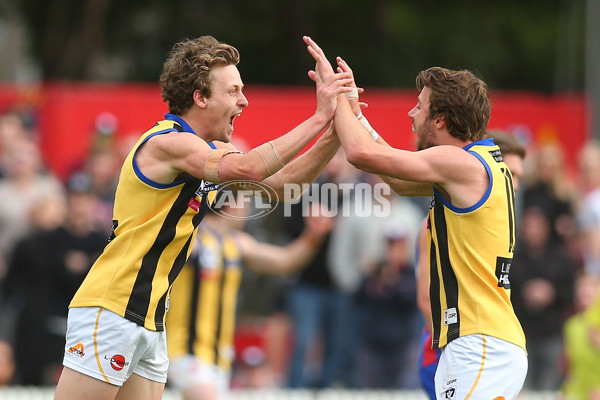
(323, 70)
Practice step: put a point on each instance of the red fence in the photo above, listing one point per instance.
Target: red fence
(66, 115)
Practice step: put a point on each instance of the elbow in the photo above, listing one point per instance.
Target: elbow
(256, 175)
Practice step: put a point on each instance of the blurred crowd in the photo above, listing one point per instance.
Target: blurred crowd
(347, 319)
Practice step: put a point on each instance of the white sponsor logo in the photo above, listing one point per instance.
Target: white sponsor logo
(450, 316)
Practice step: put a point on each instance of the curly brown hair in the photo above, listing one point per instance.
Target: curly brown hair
(188, 67)
(460, 98)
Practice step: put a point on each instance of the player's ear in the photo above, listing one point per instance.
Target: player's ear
(199, 98)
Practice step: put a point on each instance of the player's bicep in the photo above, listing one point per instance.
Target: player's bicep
(187, 153)
(408, 165)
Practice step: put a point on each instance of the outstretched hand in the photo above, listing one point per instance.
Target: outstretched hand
(329, 84)
(323, 69)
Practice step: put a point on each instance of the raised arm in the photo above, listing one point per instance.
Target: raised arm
(446, 166)
(272, 259)
(306, 168)
(399, 186)
(167, 156)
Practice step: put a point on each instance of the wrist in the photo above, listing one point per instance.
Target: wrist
(365, 123)
(320, 119)
(352, 94)
(355, 106)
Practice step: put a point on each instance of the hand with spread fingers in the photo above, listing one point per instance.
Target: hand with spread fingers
(323, 70)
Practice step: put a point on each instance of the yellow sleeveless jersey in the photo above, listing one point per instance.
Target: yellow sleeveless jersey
(470, 253)
(201, 319)
(154, 226)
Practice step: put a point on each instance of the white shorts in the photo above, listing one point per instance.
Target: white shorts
(189, 370)
(108, 347)
(480, 367)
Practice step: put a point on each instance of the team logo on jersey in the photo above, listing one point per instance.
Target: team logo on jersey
(502, 271)
(117, 362)
(77, 350)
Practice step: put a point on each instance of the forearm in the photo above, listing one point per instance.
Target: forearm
(267, 159)
(268, 258)
(350, 131)
(290, 144)
(306, 168)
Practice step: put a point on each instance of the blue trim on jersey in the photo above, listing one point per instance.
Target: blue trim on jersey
(186, 127)
(149, 181)
(483, 142)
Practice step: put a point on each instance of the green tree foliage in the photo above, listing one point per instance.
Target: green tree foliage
(512, 44)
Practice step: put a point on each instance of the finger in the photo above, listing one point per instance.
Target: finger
(362, 105)
(343, 64)
(313, 44)
(342, 78)
(313, 53)
(315, 77)
(323, 66)
(342, 89)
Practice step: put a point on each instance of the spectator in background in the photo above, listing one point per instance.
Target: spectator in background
(12, 130)
(549, 189)
(101, 168)
(46, 269)
(320, 312)
(387, 304)
(542, 281)
(21, 190)
(588, 215)
(7, 364)
(360, 239)
(582, 343)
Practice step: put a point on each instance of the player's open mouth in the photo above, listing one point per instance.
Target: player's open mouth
(232, 118)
